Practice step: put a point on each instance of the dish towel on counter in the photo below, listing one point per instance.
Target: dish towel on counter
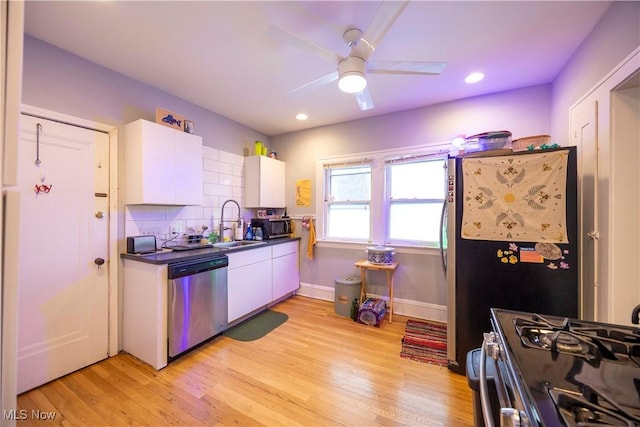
(312, 239)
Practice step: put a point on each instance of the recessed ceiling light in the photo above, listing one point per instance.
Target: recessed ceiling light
(302, 116)
(474, 77)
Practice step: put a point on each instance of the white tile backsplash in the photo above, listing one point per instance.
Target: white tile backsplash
(222, 180)
(230, 158)
(209, 189)
(208, 177)
(237, 170)
(210, 153)
(237, 194)
(210, 165)
(222, 190)
(223, 168)
(225, 179)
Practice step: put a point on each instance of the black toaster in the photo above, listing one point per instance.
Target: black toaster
(141, 244)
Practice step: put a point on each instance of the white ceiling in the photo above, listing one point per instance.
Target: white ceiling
(221, 55)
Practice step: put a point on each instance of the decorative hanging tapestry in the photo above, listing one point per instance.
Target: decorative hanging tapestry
(518, 198)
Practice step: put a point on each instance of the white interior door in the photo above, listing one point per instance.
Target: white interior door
(605, 125)
(624, 294)
(64, 228)
(584, 129)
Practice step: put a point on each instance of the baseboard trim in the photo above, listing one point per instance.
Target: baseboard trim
(404, 307)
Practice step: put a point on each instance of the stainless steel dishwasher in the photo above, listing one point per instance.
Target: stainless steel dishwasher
(197, 301)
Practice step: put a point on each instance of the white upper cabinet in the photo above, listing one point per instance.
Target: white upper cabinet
(264, 182)
(163, 166)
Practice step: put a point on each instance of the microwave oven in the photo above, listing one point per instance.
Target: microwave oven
(272, 228)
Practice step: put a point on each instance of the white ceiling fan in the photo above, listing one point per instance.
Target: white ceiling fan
(352, 70)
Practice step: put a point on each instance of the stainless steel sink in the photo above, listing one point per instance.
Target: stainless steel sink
(237, 244)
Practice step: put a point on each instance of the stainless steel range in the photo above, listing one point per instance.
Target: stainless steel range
(553, 371)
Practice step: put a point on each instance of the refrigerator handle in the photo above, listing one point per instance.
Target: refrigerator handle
(442, 231)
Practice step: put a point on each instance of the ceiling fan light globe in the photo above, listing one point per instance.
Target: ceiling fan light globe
(352, 82)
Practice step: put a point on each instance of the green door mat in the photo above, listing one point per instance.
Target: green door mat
(257, 326)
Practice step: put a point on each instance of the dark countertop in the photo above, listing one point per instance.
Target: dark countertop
(168, 257)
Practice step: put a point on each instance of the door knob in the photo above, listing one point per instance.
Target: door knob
(99, 261)
(99, 214)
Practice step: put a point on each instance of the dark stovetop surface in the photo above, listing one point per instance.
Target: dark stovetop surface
(541, 372)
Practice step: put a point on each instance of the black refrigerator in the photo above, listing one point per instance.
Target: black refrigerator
(511, 241)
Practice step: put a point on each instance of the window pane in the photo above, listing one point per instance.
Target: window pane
(350, 184)
(415, 221)
(349, 221)
(418, 180)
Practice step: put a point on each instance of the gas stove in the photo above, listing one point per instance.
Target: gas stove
(554, 371)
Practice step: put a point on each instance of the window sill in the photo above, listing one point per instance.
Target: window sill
(402, 249)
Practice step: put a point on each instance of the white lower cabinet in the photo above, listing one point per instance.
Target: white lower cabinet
(286, 274)
(255, 278)
(144, 317)
(260, 276)
(248, 281)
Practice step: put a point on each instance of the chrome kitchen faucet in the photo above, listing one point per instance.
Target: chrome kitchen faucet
(222, 220)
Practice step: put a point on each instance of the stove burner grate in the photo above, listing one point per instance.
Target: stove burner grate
(590, 342)
(563, 341)
(577, 410)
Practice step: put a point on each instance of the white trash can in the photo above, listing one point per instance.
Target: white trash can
(347, 289)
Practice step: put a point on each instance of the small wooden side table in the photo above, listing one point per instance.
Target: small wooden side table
(365, 265)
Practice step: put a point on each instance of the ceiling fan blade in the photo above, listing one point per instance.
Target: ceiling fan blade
(308, 87)
(405, 67)
(364, 99)
(287, 36)
(383, 20)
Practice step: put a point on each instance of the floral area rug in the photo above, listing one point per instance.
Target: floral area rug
(425, 341)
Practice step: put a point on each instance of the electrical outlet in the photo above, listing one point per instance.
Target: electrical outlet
(176, 227)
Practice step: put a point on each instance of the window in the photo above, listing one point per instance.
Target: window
(415, 192)
(348, 202)
(389, 197)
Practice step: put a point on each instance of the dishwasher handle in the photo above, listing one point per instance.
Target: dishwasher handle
(188, 268)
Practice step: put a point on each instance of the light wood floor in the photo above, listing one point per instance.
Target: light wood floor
(317, 369)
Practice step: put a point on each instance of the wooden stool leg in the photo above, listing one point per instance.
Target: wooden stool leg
(390, 288)
(363, 286)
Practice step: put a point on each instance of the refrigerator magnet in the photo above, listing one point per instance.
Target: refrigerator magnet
(530, 255)
(549, 251)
